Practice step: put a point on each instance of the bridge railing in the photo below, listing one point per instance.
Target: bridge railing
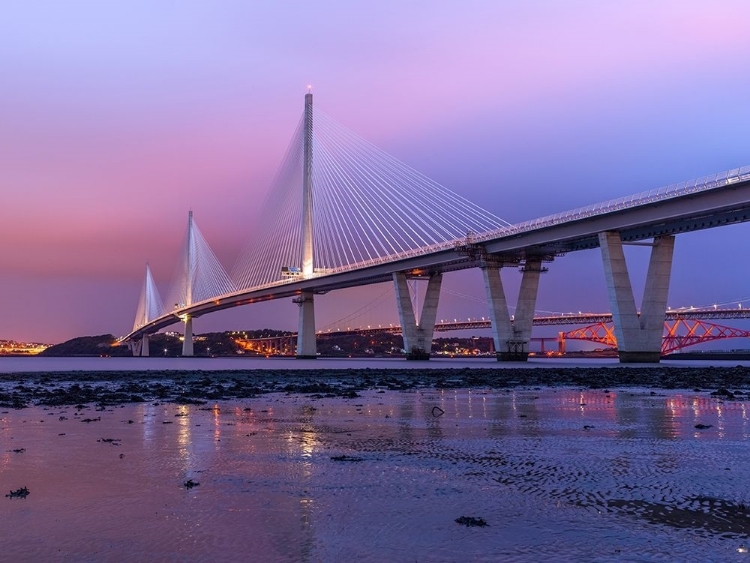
(410, 253)
(660, 194)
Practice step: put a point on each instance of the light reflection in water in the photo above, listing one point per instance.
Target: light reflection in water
(216, 411)
(302, 445)
(585, 465)
(185, 442)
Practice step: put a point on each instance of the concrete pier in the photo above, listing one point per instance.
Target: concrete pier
(144, 346)
(512, 339)
(417, 336)
(502, 329)
(639, 338)
(136, 347)
(306, 345)
(187, 343)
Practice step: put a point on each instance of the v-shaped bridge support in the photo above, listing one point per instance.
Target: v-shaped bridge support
(417, 337)
(512, 338)
(639, 337)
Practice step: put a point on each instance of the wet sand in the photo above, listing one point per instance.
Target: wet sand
(557, 473)
(567, 464)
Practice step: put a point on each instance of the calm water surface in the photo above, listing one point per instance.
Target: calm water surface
(558, 474)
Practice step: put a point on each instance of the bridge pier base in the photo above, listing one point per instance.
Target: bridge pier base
(512, 339)
(187, 342)
(306, 345)
(144, 346)
(417, 337)
(639, 338)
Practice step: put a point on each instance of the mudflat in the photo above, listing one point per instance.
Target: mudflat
(619, 464)
(18, 390)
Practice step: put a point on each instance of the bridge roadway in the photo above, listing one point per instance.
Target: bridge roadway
(706, 203)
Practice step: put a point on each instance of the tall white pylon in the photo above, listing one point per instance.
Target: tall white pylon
(307, 198)
(187, 341)
(306, 345)
(199, 276)
(150, 307)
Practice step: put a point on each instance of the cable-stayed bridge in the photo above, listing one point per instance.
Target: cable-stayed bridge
(342, 213)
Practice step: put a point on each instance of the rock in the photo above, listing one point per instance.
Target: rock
(723, 392)
(23, 492)
(471, 521)
(346, 458)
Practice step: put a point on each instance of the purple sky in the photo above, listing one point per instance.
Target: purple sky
(115, 120)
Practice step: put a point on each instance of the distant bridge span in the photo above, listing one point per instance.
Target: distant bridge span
(552, 320)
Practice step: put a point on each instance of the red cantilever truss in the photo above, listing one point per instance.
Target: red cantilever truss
(679, 334)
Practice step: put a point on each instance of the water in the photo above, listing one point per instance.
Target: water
(42, 364)
(559, 474)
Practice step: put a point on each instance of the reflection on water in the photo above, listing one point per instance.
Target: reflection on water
(559, 473)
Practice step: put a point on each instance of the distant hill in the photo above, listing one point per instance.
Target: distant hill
(232, 343)
(160, 345)
(102, 345)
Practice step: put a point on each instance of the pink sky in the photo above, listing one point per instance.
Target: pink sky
(116, 120)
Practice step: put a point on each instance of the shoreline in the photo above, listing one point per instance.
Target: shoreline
(107, 388)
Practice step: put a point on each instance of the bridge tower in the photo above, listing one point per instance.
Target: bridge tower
(306, 346)
(187, 343)
(149, 307)
(307, 198)
(512, 339)
(639, 338)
